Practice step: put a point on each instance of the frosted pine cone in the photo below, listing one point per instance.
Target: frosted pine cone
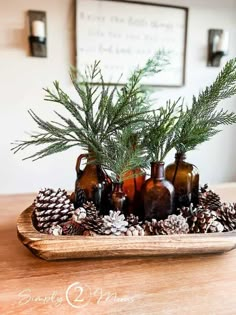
(134, 226)
(91, 210)
(216, 227)
(114, 223)
(94, 224)
(201, 220)
(135, 230)
(174, 224)
(79, 215)
(226, 214)
(55, 230)
(207, 198)
(51, 208)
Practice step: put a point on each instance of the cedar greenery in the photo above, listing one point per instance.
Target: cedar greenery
(122, 153)
(200, 122)
(159, 136)
(106, 119)
(102, 111)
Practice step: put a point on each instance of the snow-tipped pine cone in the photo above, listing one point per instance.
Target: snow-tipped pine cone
(208, 198)
(174, 224)
(51, 208)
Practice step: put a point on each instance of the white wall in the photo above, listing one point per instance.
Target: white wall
(22, 79)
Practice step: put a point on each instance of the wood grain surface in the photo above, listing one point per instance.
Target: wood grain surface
(52, 247)
(203, 284)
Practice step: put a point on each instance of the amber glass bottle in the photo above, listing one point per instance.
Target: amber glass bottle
(119, 198)
(132, 188)
(185, 179)
(158, 194)
(95, 182)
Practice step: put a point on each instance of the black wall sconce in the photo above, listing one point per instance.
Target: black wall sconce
(38, 33)
(218, 46)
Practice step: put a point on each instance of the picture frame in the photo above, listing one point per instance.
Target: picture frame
(125, 34)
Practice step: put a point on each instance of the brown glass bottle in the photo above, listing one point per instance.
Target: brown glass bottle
(119, 198)
(132, 188)
(95, 182)
(158, 194)
(185, 179)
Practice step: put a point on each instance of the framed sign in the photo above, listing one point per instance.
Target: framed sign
(125, 34)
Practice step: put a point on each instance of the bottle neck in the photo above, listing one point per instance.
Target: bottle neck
(118, 187)
(91, 157)
(157, 170)
(180, 156)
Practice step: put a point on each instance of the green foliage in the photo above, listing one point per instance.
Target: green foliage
(160, 131)
(122, 153)
(101, 112)
(106, 119)
(200, 122)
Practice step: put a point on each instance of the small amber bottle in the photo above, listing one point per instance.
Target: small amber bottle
(158, 194)
(185, 179)
(119, 198)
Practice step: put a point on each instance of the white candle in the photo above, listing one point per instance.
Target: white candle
(223, 43)
(38, 28)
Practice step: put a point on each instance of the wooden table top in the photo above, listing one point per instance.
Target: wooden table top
(168, 285)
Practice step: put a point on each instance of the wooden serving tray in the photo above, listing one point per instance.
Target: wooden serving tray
(52, 247)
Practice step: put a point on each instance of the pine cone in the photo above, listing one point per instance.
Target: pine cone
(174, 224)
(91, 210)
(134, 226)
(88, 217)
(51, 208)
(149, 227)
(226, 214)
(114, 223)
(135, 230)
(55, 230)
(80, 197)
(72, 228)
(201, 220)
(186, 212)
(207, 198)
(133, 220)
(79, 215)
(216, 226)
(94, 224)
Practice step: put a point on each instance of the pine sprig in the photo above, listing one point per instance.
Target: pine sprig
(101, 112)
(122, 153)
(160, 131)
(200, 122)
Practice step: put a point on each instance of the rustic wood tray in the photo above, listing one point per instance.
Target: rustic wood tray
(51, 247)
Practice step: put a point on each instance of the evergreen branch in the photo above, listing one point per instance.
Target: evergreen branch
(119, 155)
(160, 131)
(97, 117)
(200, 122)
(52, 149)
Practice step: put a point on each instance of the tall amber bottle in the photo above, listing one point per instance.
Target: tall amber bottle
(95, 183)
(185, 179)
(158, 194)
(132, 187)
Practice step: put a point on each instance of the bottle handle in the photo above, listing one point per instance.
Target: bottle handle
(78, 162)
